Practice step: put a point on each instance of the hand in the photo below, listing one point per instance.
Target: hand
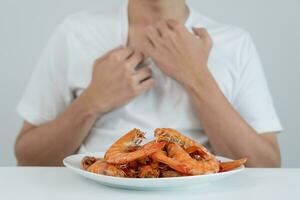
(115, 80)
(177, 52)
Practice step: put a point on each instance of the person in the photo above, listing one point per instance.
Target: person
(153, 63)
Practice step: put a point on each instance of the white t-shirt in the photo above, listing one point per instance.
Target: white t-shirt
(65, 67)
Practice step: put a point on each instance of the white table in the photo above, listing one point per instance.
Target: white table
(60, 183)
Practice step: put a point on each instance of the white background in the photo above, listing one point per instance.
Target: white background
(25, 26)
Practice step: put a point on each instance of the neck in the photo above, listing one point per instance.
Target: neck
(149, 12)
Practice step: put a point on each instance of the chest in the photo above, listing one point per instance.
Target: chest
(167, 104)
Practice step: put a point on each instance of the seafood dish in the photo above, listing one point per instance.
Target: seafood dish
(171, 154)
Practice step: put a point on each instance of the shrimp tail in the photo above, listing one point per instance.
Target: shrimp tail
(227, 166)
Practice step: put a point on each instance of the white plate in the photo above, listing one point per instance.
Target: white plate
(73, 163)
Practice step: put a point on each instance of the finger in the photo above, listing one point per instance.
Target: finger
(200, 32)
(175, 25)
(122, 53)
(153, 35)
(148, 48)
(113, 50)
(117, 48)
(145, 85)
(203, 34)
(142, 74)
(163, 28)
(135, 59)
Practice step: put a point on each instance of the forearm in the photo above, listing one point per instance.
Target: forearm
(113, 73)
(183, 57)
(228, 133)
(48, 144)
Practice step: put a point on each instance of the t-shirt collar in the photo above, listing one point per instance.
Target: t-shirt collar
(124, 24)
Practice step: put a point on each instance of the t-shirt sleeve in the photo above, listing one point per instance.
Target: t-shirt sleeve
(47, 93)
(252, 96)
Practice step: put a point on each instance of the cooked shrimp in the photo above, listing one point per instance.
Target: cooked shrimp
(130, 169)
(227, 166)
(171, 135)
(87, 161)
(194, 167)
(197, 153)
(172, 154)
(160, 156)
(102, 167)
(170, 173)
(130, 173)
(112, 170)
(196, 150)
(143, 161)
(98, 167)
(147, 171)
(119, 152)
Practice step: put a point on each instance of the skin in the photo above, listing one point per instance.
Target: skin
(114, 73)
(174, 50)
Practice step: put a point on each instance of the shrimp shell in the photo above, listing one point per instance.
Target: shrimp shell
(172, 135)
(121, 151)
(195, 167)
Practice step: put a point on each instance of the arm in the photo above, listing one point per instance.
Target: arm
(114, 73)
(48, 144)
(228, 132)
(175, 50)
